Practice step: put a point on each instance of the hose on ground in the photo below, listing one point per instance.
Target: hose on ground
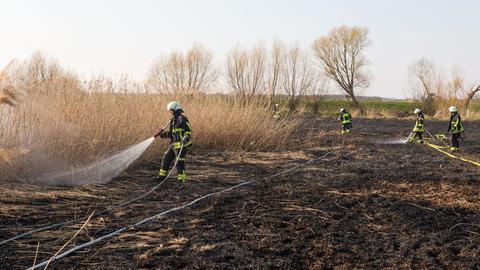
(107, 210)
(175, 209)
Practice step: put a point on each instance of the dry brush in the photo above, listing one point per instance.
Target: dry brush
(59, 123)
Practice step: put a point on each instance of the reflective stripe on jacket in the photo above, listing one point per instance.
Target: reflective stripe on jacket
(179, 129)
(346, 118)
(456, 125)
(419, 124)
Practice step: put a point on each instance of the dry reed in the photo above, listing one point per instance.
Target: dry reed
(59, 128)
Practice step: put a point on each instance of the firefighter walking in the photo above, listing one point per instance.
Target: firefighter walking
(346, 119)
(180, 135)
(455, 128)
(419, 128)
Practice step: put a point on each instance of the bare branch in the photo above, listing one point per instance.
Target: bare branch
(178, 73)
(299, 76)
(246, 72)
(340, 54)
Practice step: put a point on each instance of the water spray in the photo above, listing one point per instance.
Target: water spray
(107, 210)
(101, 171)
(409, 138)
(172, 210)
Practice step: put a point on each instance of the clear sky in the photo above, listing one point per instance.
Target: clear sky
(120, 36)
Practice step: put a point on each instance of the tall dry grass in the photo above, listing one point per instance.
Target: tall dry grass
(58, 125)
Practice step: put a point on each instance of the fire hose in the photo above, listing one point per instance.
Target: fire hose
(175, 209)
(107, 210)
(441, 138)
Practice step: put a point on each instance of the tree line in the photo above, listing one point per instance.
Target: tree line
(436, 90)
(335, 60)
(281, 69)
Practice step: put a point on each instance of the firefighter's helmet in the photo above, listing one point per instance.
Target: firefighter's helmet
(175, 106)
(453, 109)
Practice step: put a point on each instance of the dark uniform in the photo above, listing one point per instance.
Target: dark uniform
(179, 132)
(419, 128)
(455, 127)
(346, 119)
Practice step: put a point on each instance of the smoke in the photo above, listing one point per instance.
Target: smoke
(98, 172)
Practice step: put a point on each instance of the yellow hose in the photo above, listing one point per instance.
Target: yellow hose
(439, 149)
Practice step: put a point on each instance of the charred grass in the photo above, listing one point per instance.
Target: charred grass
(368, 205)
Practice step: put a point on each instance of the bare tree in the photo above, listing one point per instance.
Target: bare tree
(453, 90)
(43, 74)
(179, 73)
(466, 93)
(340, 54)
(246, 71)
(470, 94)
(434, 89)
(37, 68)
(457, 89)
(299, 76)
(454, 87)
(41, 69)
(422, 73)
(274, 70)
(423, 84)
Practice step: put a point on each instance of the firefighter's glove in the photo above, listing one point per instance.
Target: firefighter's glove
(164, 134)
(159, 133)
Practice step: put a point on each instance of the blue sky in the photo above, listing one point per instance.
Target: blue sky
(126, 36)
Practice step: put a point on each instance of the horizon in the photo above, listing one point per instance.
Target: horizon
(126, 37)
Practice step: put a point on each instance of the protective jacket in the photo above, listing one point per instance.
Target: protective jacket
(179, 131)
(346, 118)
(419, 124)
(455, 126)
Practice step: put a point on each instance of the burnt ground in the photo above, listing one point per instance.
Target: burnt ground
(371, 204)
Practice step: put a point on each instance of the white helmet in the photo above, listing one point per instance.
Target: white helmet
(342, 110)
(453, 109)
(417, 111)
(174, 106)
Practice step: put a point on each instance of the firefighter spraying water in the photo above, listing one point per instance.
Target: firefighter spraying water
(180, 135)
(418, 129)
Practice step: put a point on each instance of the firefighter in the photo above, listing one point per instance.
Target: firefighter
(417, 132)
(179, 133)
(276, 111)
(346, 119)
(455, 127)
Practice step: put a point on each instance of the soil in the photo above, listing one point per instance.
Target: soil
(373, 203)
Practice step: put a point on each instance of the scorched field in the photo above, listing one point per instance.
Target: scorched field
(366, 201)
